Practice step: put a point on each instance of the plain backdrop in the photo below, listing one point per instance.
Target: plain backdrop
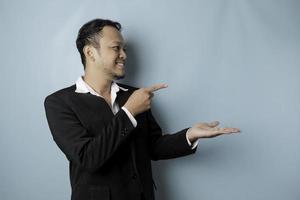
(233, 61)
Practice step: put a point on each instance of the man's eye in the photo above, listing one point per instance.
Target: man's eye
(116, 48)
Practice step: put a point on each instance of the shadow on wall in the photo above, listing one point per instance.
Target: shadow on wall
(132, 64)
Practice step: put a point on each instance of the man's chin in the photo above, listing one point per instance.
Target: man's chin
(118, 77)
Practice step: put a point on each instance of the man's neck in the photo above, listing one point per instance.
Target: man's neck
(101, 85)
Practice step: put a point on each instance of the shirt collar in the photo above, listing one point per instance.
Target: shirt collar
(83, 87)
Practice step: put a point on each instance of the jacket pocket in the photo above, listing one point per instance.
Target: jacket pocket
(90, 192)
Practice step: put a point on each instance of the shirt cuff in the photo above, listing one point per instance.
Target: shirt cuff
(195, 144)
(132, 119)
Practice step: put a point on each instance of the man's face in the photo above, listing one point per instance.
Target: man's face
(111, 55)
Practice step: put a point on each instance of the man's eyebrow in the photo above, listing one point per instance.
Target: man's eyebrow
(118, 42)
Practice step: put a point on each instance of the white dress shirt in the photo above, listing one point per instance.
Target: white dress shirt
(83, 87)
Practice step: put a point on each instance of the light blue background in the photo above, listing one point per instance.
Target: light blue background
(233, 61)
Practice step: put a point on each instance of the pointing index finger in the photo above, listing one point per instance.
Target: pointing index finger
(156, 87)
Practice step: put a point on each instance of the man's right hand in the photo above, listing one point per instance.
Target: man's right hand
(140, 100)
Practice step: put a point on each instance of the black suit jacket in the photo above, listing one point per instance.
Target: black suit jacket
(109, 159)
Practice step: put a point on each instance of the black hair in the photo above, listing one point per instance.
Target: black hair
(89, 34)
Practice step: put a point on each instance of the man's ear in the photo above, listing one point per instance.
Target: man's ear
(88, 51)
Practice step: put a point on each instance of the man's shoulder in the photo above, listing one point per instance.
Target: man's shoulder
(62, 93)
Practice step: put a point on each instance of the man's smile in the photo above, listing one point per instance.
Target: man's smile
(120, 64)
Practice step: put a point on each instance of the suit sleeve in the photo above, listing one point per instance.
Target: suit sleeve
(74, 140)
(167, 146)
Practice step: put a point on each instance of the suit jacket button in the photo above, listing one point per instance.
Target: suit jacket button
(134, 176)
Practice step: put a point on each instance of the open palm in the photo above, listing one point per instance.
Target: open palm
(209, 130)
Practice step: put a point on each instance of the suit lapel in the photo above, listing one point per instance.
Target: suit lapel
(122, 97)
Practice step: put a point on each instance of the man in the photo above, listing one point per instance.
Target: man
(106, 129)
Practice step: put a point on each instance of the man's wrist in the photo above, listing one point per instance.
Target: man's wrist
(190, 136)
(130, 110)
(131, 117)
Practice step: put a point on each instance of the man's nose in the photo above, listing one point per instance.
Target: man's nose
(123, 54)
